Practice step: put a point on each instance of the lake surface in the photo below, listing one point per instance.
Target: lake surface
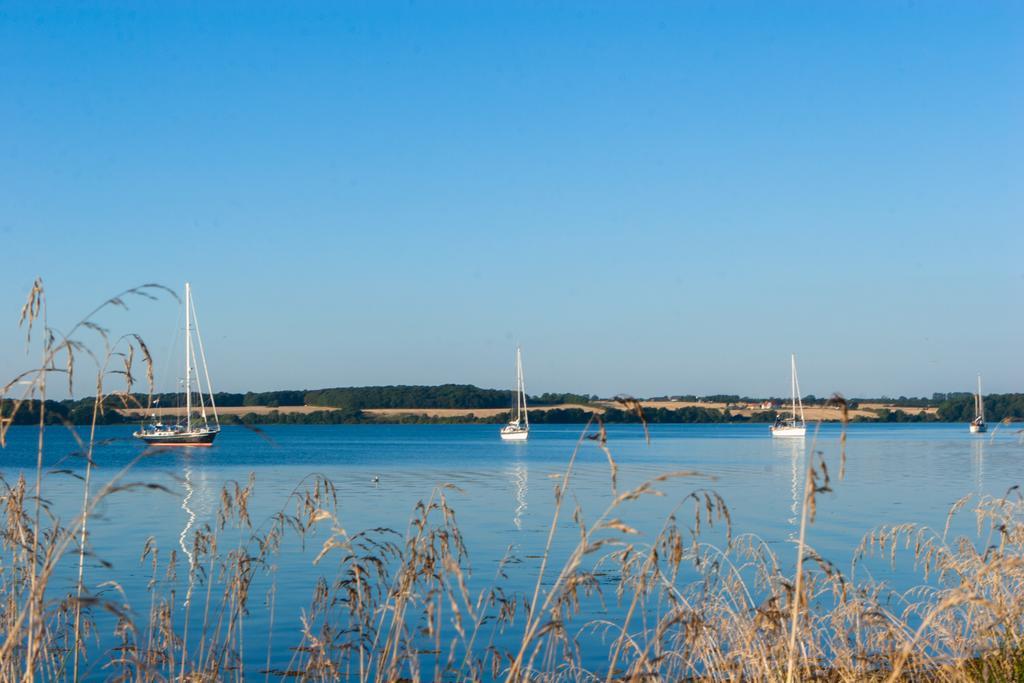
(504, 500)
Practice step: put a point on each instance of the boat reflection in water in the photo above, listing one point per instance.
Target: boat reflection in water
(520, 480)
(793, 450)
(978, 464)
(197, 502)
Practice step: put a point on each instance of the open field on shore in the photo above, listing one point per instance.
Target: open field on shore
(911, 410)
(866, 410)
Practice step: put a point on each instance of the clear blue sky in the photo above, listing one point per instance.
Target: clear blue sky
(651, 197)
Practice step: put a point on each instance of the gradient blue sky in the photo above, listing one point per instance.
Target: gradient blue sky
(651, 197)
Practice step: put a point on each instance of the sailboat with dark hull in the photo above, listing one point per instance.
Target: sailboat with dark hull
(159, 434)
(196, 428)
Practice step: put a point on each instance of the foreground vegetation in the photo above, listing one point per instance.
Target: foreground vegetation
(698, 600)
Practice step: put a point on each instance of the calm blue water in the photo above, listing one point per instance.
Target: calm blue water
(894, 473)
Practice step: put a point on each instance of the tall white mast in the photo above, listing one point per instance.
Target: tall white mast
(797, 401)
(522, 386)
(979, 405)
(206, 370)
(792, 384)
(519, 395)
(188, 357)
(515, 397)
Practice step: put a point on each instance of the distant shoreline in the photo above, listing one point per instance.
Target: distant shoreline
(461, 403)
(675, 412)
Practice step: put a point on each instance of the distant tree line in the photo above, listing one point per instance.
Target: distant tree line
(344, 405)
(907, 401)
(736, 399)
(465, 396)
(811, 399)
(551, 416)
(351, 416)
(617, 415)
(78, 412)
(226, 399)
(402, 396)
(960, 408)
(319, 417)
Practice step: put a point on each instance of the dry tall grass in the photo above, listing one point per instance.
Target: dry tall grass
(391, 606)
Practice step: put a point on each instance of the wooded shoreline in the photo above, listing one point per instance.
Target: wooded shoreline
(452, 403)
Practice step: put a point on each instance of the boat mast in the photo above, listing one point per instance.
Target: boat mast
(522, 386)
(514, 410)
(797, 401)
(188, 357)
(792, 385)
(206, 371)
(519, 396)
(979, 405)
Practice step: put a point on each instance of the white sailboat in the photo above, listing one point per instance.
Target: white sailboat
(192, 430)
(795, 424)
(978, 423)
(518, 427)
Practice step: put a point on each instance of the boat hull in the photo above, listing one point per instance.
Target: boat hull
(192, 439)
(797, 432)
(978, 429)
(520, 435)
